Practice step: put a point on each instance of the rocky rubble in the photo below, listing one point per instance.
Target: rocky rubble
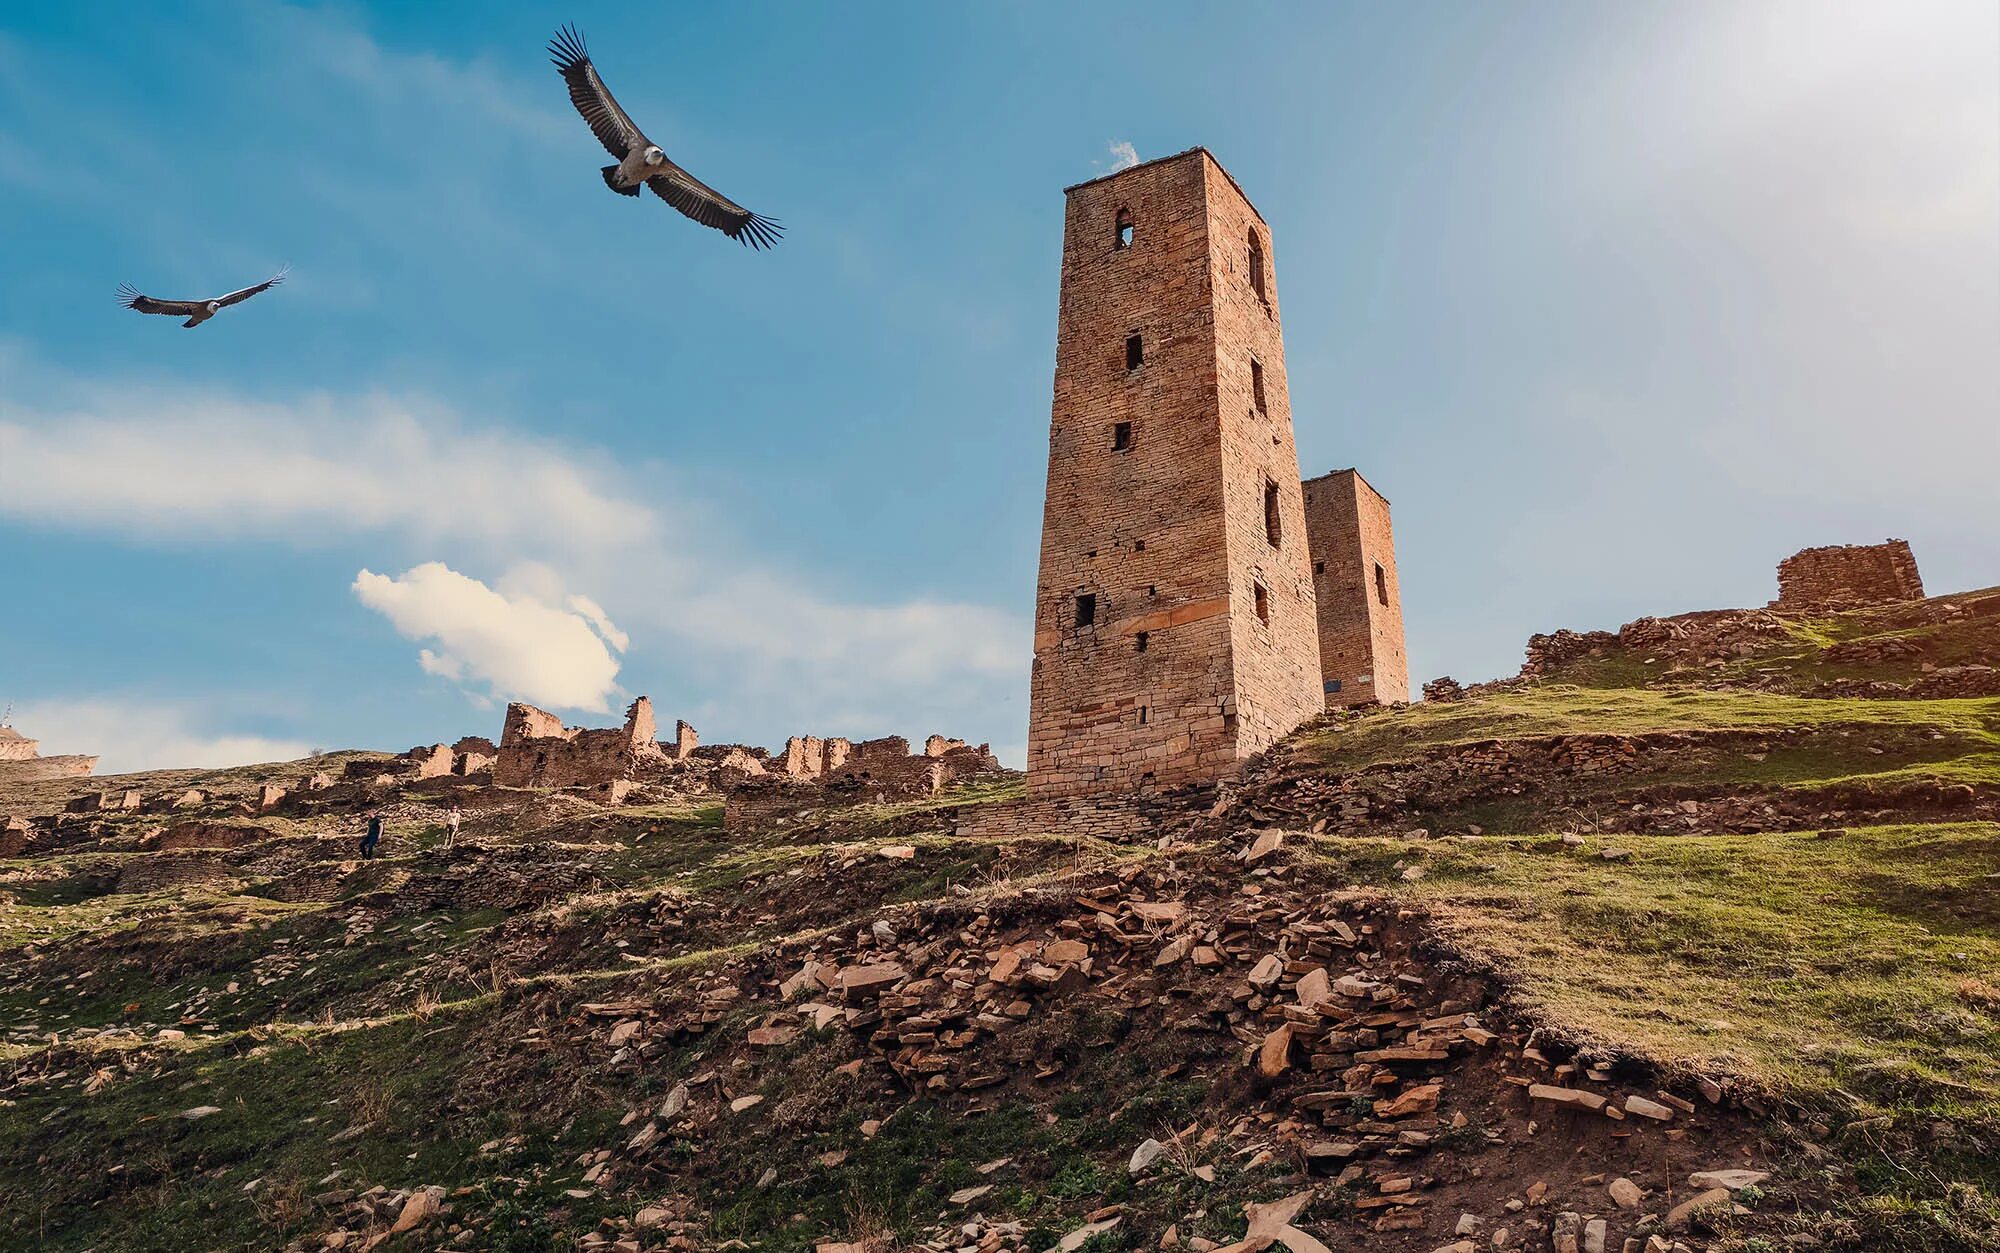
(1372, 1074)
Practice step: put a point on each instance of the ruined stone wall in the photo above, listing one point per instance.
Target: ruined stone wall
(1361, 655)
(17, 747)
(685, 742)
(35, 769)
(1153, 663)
(536, 750)
(1845, 576)
(875, 770)
(758, 804)
(1103, 818)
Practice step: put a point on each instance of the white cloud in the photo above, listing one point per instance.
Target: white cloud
(1123, 155)
(142, 734)
(594, 614)
(412, 482)
(189, 463)
(512, 646)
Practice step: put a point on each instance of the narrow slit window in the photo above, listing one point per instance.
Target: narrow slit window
(1122, 234)
(1135, 352)
(1257, 384)
(1256, 264)
(1263, 599)
(1273, 525)
(1121, 436)
(1086, 609)
(1319, 567)
(1145, 715)
(1381, 584)
(1139, 642)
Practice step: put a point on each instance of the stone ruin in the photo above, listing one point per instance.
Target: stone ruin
(1849, 576)
(21, 760)
(536, 750)
(812, 773)
(1815, 580)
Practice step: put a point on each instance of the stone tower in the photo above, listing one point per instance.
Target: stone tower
(1354, 582)
(1175, 633)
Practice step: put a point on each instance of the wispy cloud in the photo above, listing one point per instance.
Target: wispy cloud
(418, 84)
(508, 646)
(129, 733)
(1123, 157)
(561, 527)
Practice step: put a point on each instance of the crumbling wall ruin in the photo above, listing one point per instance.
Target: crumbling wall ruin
(536, 750)
(1848, 576)
(814, 772)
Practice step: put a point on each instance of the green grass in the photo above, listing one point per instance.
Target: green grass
(1563, 709)
(123, 1170)
(1810, 965)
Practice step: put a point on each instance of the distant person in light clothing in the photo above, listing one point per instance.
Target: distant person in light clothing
(451, 827)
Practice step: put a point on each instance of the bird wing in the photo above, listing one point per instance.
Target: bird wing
(133, 300)
(709, 207)
(242, 294)
(612, 126)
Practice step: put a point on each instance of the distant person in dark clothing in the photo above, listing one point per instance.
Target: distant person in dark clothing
(374, 836)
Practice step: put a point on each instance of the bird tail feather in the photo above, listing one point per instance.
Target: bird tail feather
(611, 181)
(192, 322)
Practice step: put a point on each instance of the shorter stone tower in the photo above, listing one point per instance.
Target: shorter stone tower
(1354, 584)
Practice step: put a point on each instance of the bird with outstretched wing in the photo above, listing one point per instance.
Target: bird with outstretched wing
(195, 311)
(640, 160)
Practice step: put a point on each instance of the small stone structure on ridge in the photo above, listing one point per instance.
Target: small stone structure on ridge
(1849, 576)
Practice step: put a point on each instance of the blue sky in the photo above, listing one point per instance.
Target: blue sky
(1617, 304)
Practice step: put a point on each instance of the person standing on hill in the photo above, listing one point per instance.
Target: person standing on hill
(374, 835)
(451, 827)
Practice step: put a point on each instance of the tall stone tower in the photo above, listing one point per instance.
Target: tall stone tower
(1175, 632)
(1354, 583)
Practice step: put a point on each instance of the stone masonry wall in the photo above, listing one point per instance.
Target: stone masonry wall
(1152, 666)
(1362, 661)
(1275, 650)
(536, 750)
(1844, 576)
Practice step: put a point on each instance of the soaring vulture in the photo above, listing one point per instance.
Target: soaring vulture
(195, 311)
(640, 159)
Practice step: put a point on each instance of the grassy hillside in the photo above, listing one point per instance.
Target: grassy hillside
(1752, 918)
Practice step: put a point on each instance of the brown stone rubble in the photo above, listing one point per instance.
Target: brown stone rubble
(1332, 1041)
(1578, 777)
